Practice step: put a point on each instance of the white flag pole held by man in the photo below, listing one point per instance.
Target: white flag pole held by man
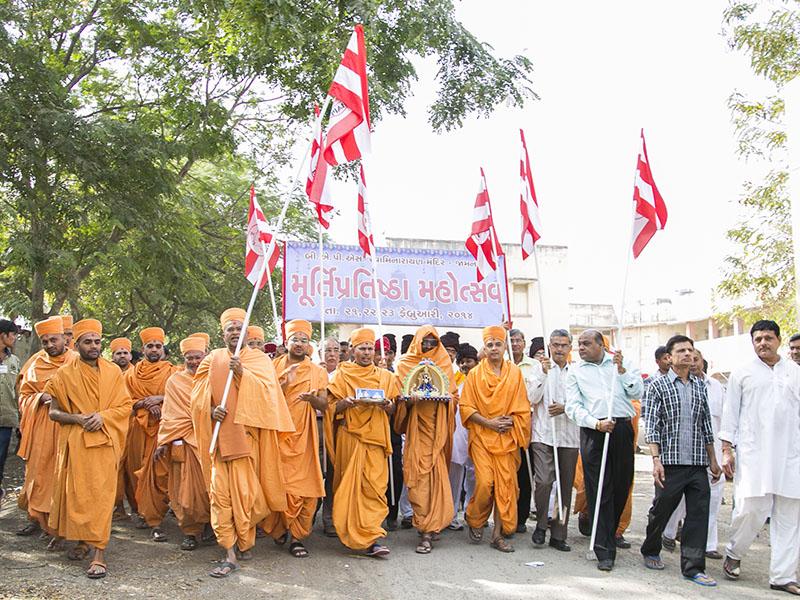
(649, 216)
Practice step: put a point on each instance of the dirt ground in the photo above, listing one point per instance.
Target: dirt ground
(139, 568)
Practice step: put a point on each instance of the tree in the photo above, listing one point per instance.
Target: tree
(130, 130)
(759, 276)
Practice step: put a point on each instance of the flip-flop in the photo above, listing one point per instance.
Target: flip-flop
(790, 588)
(435, 536)
(731, 568)
(78, 552)
(653, 562)
(158, 535)
(424, 546)
(95, 575)
(298, 550)
(501, 544)
(189, 543)
(377, 550)
(455, 526)
(475, 535)
(226, 565)
(29, 529)
(280, 541)
(141, 523)
(701, 579)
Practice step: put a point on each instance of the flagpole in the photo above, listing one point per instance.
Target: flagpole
(614, 376)
(321, 291)
(275, 320)
(264, 266)
(546, 381)
(242, 335)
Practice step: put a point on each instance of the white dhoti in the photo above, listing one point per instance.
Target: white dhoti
(748, 519)
(462, 477)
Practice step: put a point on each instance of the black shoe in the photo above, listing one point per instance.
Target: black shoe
(538, 536)
(605, 565)
(521, 528)
(668, 543)
(621, 542)
(406, 523)
(391, 524)
(584, 525)
(559, 545)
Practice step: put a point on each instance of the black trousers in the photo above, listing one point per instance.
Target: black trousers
(680, 481)
(524, 482)
(616, 482)
(397, 467)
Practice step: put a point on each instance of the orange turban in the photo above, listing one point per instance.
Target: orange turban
(53, 325)
(298, 326)
(493, 331)
(87, 326)
(255, 333)
(150, 334)
(193, 343)
(118, 343)
(359, 336)
(232, 314)
(66, 321)
(203, 336)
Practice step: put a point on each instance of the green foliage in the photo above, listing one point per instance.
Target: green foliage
(759, 276)
(131, 131)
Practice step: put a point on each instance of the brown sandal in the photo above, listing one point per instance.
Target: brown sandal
(78, 552)
(502, 545)
(424, 546)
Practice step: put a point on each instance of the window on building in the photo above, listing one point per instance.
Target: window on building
(519, 299)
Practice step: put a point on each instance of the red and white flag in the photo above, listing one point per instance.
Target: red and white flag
(482, 242)
(258, 239)
(365, 239)
(320, 194)
(651, 212)
(528, 206)
(348, 137)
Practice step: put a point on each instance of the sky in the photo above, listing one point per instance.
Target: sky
(603, 71)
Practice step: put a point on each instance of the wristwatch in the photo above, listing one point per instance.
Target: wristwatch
(657, 457)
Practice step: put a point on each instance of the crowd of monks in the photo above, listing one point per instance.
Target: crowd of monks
(240, 445)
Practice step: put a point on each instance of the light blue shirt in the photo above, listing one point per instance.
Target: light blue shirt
(588, 388)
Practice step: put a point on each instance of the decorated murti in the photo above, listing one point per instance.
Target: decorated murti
(425, 382)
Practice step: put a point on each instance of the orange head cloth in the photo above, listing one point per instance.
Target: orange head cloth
(493, 331)
(118, 343)
(298, 326)
(86, 326)
(359, 336)
(150, 334)
(203, 336)
(53, 325)
(66, 321)
(193, 343)
(232, 314)
(255, 333)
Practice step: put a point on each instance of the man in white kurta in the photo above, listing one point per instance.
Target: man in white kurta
(761, 420)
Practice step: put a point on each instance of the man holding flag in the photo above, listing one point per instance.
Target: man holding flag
(245, 474)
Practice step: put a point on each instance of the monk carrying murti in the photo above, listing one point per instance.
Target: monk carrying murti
(146, 383)
(495, 410)
(304, 387)
(89, 399)
(245, 473)
(39, 434)
(428, 426)
(363, 444)
(177, 445)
